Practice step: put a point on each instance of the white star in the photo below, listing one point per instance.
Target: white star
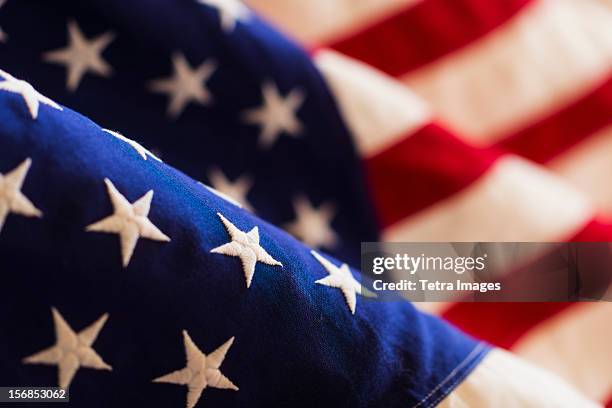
(129, 221)
(12, 199)
(186, 84)
(81, 55)
(31, 97)
(312, 225)
(342, 279)
(142, 151)
(277, 114)
(230, 11)
(245, 245)
(71, 350)
(202, 371)
(237, 190)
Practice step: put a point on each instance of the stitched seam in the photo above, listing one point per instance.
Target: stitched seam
(453, 384)
(453, 373)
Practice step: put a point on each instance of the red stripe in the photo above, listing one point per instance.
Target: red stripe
(502, 324)
(557, 133)
(609, 403)
(597, 230)
(425, 32)
(422, 169)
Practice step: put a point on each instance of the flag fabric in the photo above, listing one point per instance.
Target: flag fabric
(328, 148)
(118, 263)
(131, 284)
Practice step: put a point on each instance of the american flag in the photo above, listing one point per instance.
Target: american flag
(132, 283)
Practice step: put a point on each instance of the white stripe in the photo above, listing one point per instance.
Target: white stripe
(588, 166)
(513, 201)
(504, 381)
(315, 21)
(576, 346)
(375, 108)
(547, 56)
(433, 308)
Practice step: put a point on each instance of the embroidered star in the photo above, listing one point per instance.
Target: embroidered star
(277, 114)
(186, 84)
(31, 97)
(71, 350)
(342, 279)
(129, 221)
(245, 245)
(237, 189)
(312, 225)
(142, 151)
(202, 371)
(81, 55)
(230, 11)
(12, 199)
